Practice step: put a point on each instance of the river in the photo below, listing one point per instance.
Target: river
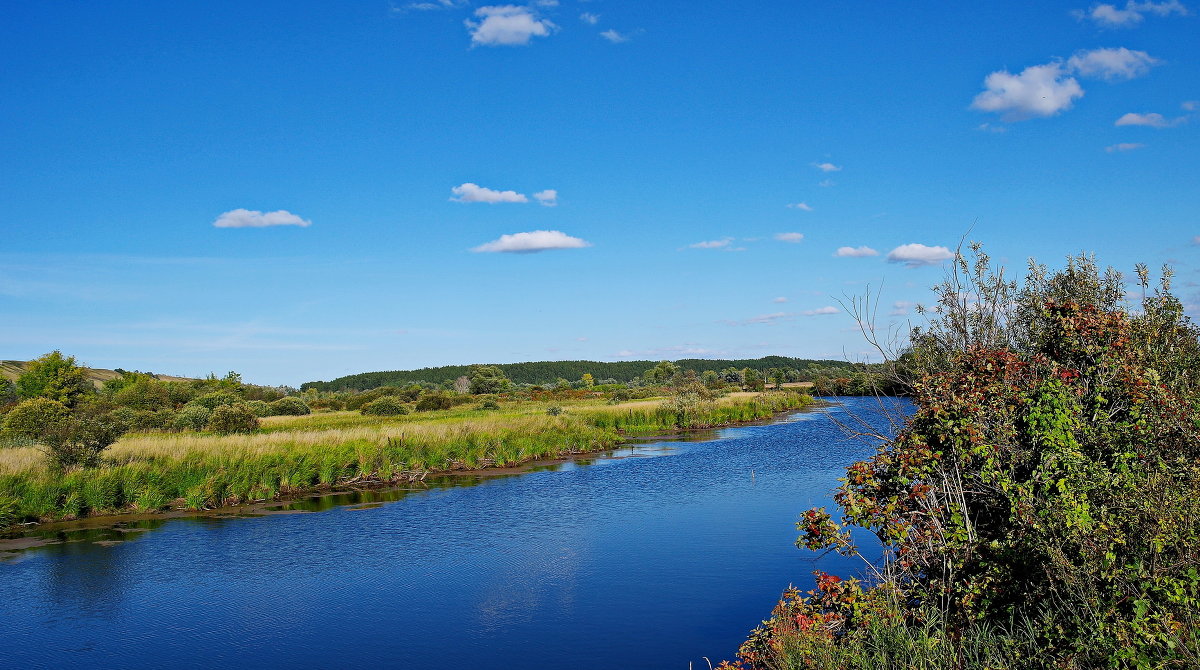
(654, 556)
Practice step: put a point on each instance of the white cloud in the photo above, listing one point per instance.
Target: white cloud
(252, 218)
(548, 197)
(916, 255)
(614, 36)
(712, 244)
(766, 318)
(589, 18)
(901, 307)
(1046, 90)
(821, 311)
(1040, 90)
(1110, 16)
(1191, 105)
(855, 252)
(801, 205)
(625, 353)
(469, 192)
(827, 167)
(989, 128)
(780, 299)
(1112, 64)
(792, 238)
(507, 25)
(826, 183)
(1123, 146)
(1153, 119)
(532, 242)
(427, 5)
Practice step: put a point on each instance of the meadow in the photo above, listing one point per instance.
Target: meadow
(291, 455)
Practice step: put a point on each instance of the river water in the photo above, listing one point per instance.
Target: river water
(655, 556)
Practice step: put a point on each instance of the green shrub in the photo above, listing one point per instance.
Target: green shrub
(191, 417)
(260, 408)
(31, 418)
(216, 399)
(554, 410)
(227, 419)
(289, 406)
(385, 406)
(489, 404)
(434, 401)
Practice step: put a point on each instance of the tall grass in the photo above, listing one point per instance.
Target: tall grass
(296, 454)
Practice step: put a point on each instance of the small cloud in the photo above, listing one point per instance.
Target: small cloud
(916, 255)
(800, 205)
(532, 242)
(1196, 240)
(767, 318)
(1124, 146)
(614, 36)
(252, 218)
(1191, 105)
(1110, 16)
(826, 183)
(469, 192)
(507, 25)
(827, 167)
(581, 339)
(989, 128)
(1039, 90)
(821, 311)
(589, 18)
(1153, 120)
(901, 307)
(791, 238)
(855, 252)
(428, 5)
(1112, 64)
(625, 353)
(780, 299)
(712, 244)
(547, 198)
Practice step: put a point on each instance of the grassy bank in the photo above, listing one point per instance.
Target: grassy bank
(293, 455)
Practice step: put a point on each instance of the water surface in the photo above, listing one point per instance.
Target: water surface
(662, 554)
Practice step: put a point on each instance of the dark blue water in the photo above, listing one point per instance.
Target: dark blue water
(666, 554)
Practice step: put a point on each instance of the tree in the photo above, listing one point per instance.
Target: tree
(226, 419)
(587, 380)
(662, 373)
(54, 377)
(488, 379)
(70, 437)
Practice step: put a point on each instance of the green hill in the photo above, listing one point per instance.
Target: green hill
(546, 372)
(10, 370)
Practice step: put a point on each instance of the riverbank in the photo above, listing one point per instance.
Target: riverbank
(297, 456)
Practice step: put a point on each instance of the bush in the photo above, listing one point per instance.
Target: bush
(260, 408)
(191, 417)
(31, 418)
(489, 404)
(554, 410)
(434, 401)
(216, 399)
(289, 406)
(226, 419)
(385, 406)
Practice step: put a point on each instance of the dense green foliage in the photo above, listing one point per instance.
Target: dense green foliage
(236, 418)
(54, 377)
(1039, 510)
(546, 372)
(385, 406)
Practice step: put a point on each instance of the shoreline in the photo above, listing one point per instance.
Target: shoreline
(17, 539)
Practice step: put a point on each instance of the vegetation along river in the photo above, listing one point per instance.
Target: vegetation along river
(653, 556)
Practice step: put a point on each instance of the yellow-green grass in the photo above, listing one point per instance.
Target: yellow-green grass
(292, 455)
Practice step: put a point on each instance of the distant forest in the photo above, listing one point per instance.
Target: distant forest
(547, 372)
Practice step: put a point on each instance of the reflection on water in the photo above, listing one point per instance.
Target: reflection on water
(651, 556)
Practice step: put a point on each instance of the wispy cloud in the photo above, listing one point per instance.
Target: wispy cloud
(766, 319)
(826, 183)
(821, 311)
(547, 198)
(1110, 16)
(1153, 120)
(507, 25)
(1124, 146)
(791, 238)
(915, 255)
(532, 242)
(589, 18)
(855, 252)
(614, 36)
(429, 5)
(469, 192)
(252, 218)
(780, 299)
(1191, 105)
(801, 206)
(1049, 89)
(722, 243)
(827, 167)
(901, 307)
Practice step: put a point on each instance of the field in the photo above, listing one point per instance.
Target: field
(296, 454)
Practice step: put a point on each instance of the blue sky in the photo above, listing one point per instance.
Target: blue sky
(302, 190)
